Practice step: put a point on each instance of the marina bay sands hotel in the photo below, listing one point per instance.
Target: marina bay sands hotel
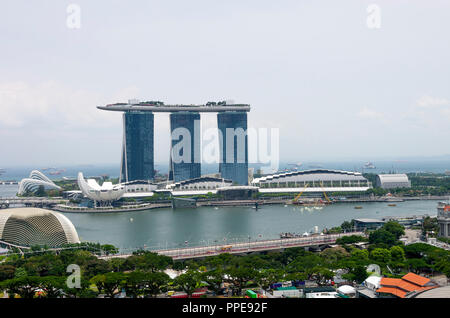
(138, 139)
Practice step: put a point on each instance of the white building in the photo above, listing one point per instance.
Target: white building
(104, 194)
(34, 181)
(203, 184)
(319, 180)
(392, 181)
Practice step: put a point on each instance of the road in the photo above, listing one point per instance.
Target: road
(246, 247)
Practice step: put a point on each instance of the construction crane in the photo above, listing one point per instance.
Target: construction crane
(324, 193)
(300, 194)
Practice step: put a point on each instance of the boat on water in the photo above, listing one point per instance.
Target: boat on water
(392, 204)
(358, 207)
(369, 165)
(315, 203)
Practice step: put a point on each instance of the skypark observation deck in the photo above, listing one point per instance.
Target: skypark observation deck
(161, 108)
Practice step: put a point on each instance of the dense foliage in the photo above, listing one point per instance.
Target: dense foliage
(44, 272)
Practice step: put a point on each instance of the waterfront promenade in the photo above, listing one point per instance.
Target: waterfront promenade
(31, 201)
(245, 247)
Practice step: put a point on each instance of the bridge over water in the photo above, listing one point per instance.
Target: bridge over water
(30, 201)
(246, 247)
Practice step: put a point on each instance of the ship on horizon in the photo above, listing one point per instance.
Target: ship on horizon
(369, 165)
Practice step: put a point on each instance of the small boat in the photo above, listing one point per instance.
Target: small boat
(392, 204)
(358, 207)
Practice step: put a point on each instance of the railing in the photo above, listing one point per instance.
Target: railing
(246, 247)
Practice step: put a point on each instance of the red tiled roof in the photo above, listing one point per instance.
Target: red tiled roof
(400, 287)
(416, 279)
(392, 290)
(390, 281)
(407, 286)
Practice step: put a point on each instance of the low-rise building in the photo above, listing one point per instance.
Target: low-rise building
(367, 224)
(405, 286)
(320, 292)
(313, 181)
(392, 181)
(203, 184)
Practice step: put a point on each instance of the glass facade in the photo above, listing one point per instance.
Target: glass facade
(233, 146)
(184, 166)
(137, 151)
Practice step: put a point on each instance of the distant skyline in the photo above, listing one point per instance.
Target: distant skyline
(337, 89)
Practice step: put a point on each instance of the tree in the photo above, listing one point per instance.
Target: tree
(430, 225)
(108, 283)
(321, 274)
(95, 267)
(148, 261)
(134, 283)
(214, 279)
(333, 255)
(156, 282)
(47, 264)
(266, 277)
(25, 286)
(20, 272)
(350, 239)
(382, 237)
(443, 265)
(117, 264)
(52, 285)
(359, 274)
(416, 265)
(304, 261)
(418, 250)
(380, 255)
(296, 276)
(348, 226)
(109, 249)
(188, 281)
(360, 255)
(394, 228)
(6, 271)
(84, 290)
(240, 275)
(397, 254)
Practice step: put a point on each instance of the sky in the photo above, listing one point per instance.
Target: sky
(339, 79)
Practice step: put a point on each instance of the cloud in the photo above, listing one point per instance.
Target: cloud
(53, 105)
(367, 113)
(429, 101)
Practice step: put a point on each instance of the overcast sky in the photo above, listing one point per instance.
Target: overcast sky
(336, 88)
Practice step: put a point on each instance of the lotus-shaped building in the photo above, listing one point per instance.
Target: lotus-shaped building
(104, 194)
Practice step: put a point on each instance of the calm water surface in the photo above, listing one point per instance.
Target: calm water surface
(169, 228)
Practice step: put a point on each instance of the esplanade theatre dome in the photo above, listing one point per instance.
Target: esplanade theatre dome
(33, 226)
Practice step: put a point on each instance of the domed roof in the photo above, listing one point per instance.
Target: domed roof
(36, 179)
(33, 226)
